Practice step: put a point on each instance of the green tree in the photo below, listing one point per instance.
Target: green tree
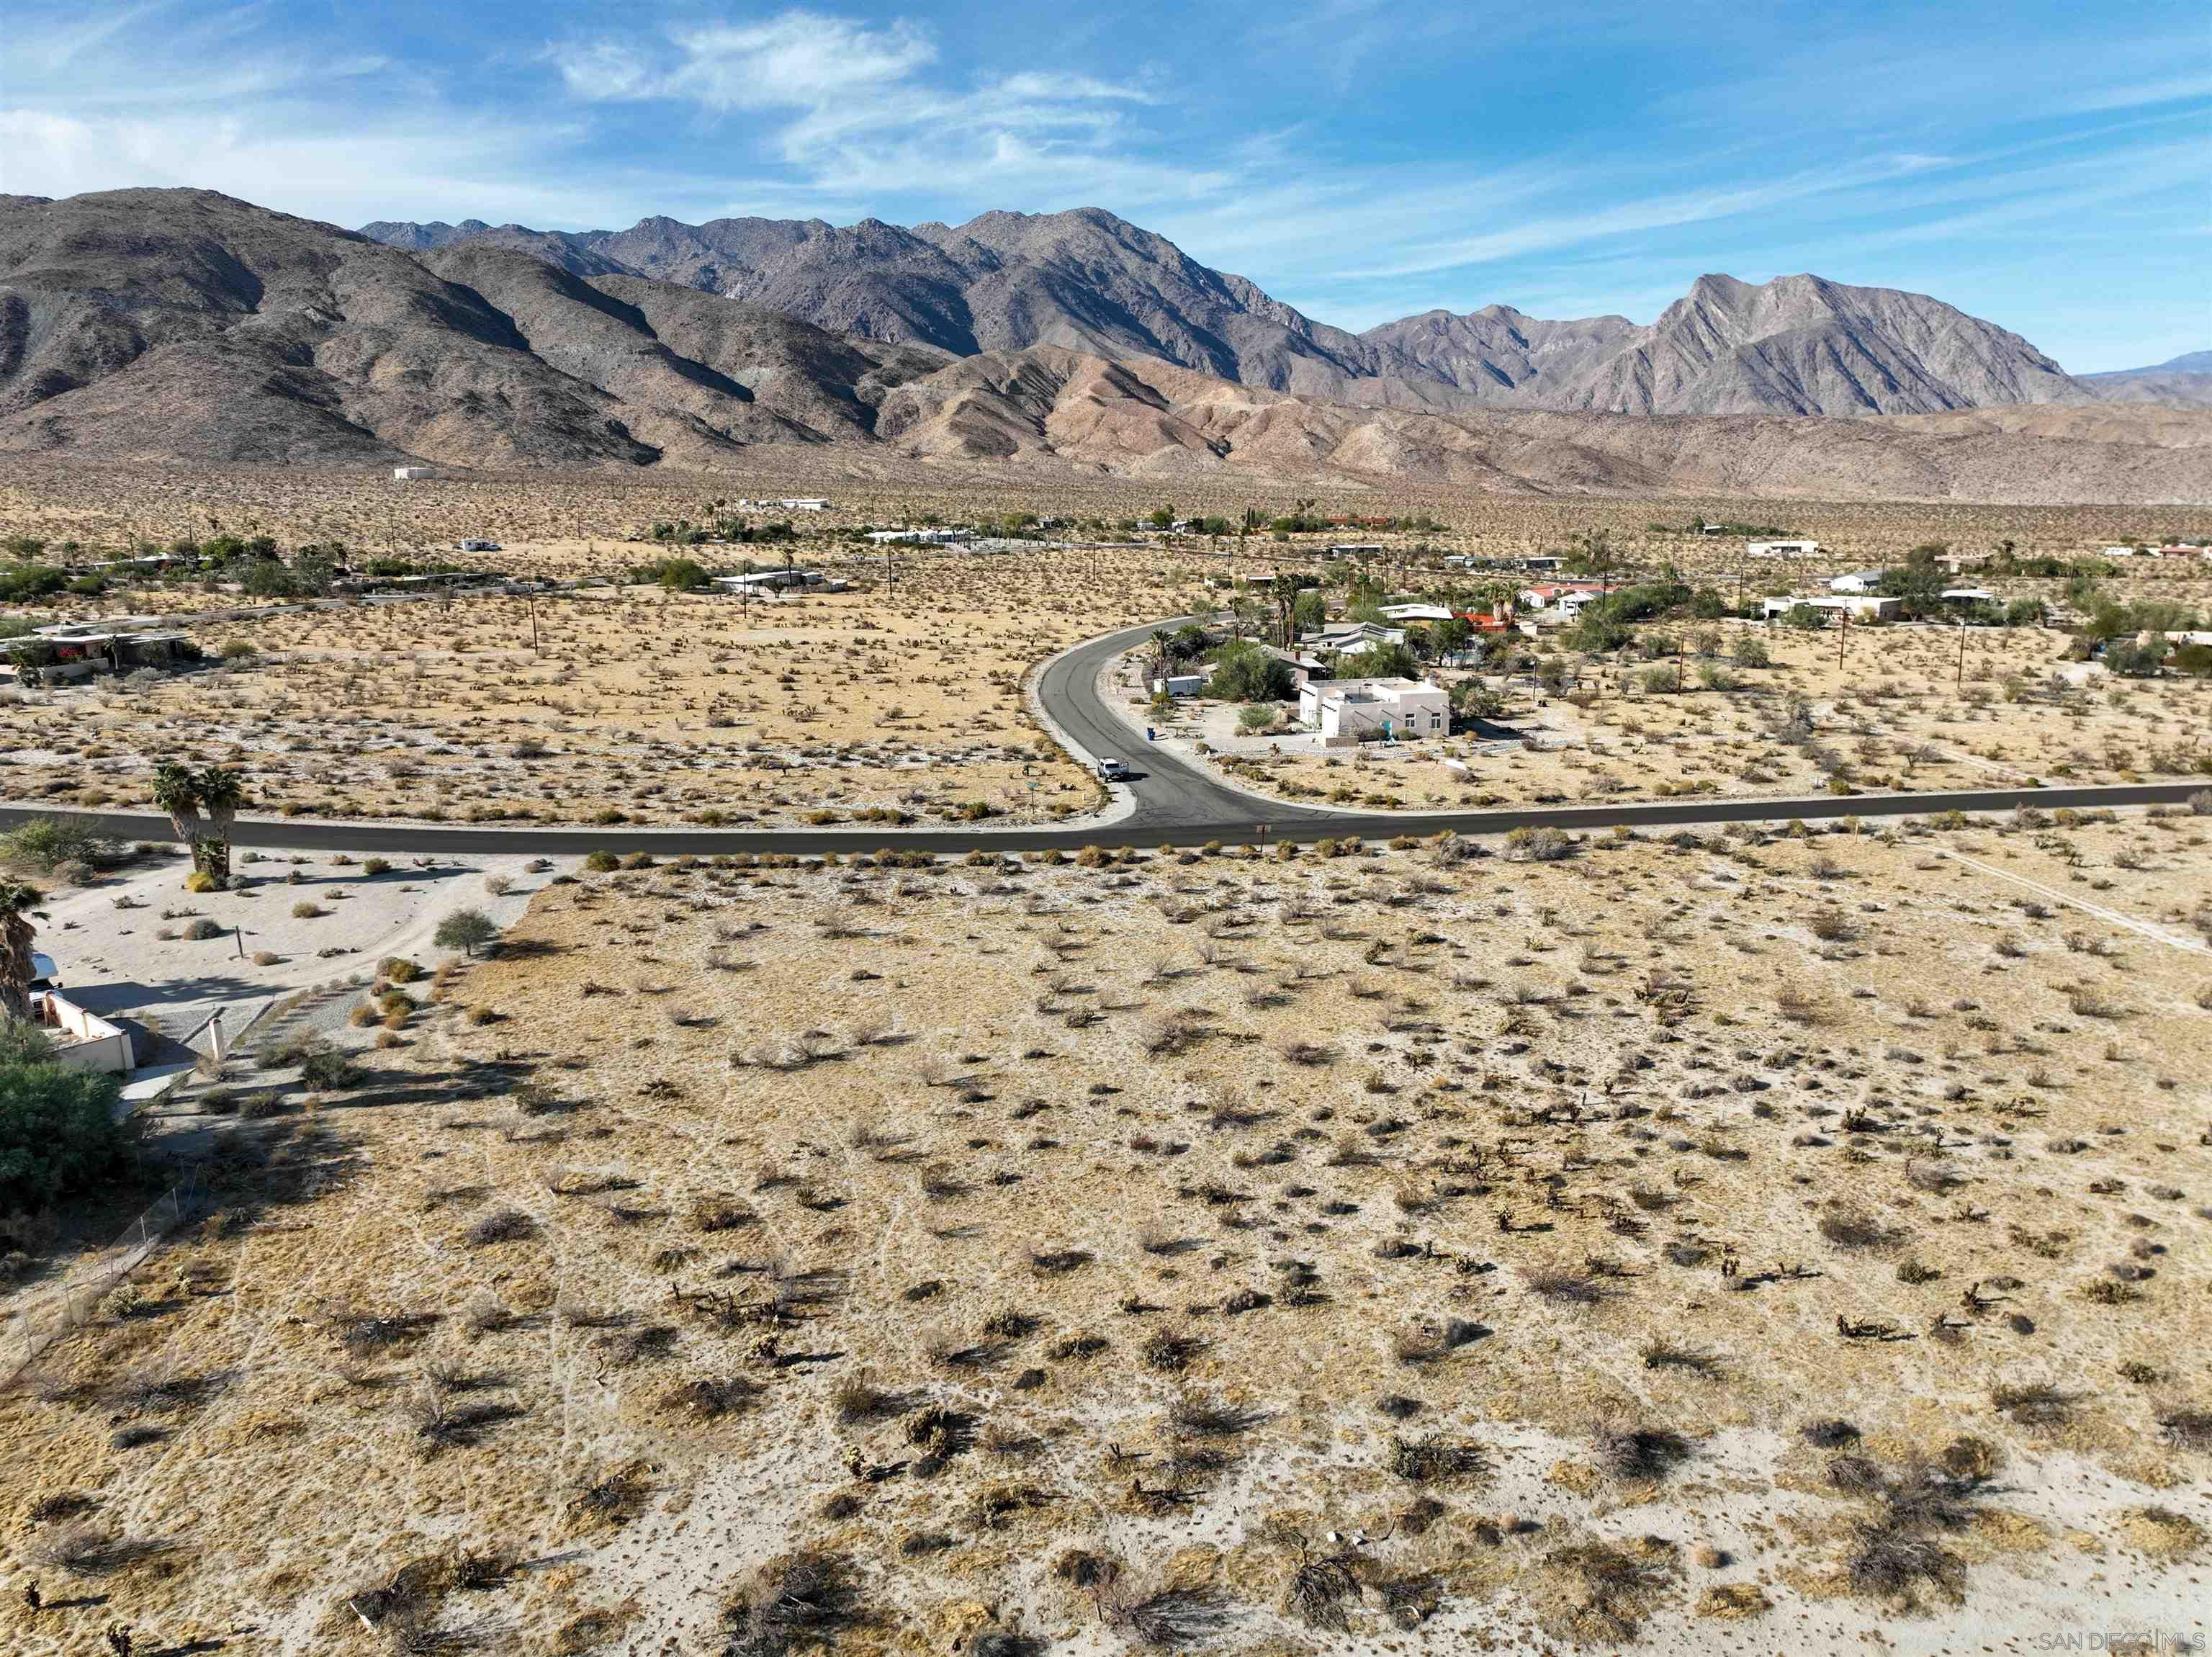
(1476, 700)
(467, 930)
(313, 572)
(1244, 671)
(1452, 636)
(1919, 580)
(266, 578)
(1383, 661)
(58, 1132)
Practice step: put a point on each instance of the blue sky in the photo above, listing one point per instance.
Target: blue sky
(2046, 166)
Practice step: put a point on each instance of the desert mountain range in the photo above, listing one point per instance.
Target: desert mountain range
(1094, 283)
(187, 326)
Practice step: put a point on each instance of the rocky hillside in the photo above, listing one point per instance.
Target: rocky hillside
(1096, 283)
(1044, 406)
(182, 326)
(1799, 344)
(2182, 383)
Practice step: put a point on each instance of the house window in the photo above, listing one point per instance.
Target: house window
(1435, 721)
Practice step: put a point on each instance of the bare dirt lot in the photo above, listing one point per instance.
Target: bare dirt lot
(894, 704)
(1742, 1242)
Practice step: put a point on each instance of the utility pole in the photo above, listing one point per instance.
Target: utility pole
(1844, 617)
(1678, 663)
(532, 602)
(745, 597)
(1959, 682)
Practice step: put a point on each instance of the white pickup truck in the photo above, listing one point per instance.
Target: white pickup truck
(1112, 770)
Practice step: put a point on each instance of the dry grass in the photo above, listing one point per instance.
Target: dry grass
(879, 1342)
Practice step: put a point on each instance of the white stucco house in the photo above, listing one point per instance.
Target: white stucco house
(1356, 708)
(1859, 581)
(1859, 607)
(1781, 549)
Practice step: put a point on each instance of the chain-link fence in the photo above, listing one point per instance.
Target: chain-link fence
(73, 1301)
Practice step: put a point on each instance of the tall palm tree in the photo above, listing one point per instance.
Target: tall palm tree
(1285, 589)
(221, 792)
(16, 971)
(1160, 642)
(177, 791)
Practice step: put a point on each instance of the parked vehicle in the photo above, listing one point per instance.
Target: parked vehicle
(1112, 770)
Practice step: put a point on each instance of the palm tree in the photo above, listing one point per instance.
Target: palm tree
(1160, 642)
(1597, 554)
(16, 970)
(177, 791)
(221, 792)
(1284, 587)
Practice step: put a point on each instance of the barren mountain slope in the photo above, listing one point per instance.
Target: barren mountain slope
(1796, 345)
(1045, 405)
(1092, 282)
(2184, 381)
(185, 325)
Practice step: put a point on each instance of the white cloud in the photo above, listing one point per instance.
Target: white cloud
(346, 177)
(799, 60)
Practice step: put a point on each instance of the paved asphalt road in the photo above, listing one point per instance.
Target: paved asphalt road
(1176, 804)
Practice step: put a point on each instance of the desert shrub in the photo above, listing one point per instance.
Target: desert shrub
(501, 1226)
(202, 929)
(1538, 845)
(398, 969)
(46, 843)
(601, 862)
(1850, 1227)
(199, 881)
(1889, 1561)
(1436, 1460)
(1629, 1451)
(330, 1070)
(801, 1602)
(2187, 1429)
(305, 910)
(372, 867)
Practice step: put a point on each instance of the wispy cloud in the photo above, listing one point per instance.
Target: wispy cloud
(800, 59)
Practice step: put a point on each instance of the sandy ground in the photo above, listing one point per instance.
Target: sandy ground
(887, 705)
(1040, 1225)
(121, 947)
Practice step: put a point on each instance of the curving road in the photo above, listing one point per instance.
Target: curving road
(1176, 803)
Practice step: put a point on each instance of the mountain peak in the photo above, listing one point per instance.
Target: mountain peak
(1087, 278)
